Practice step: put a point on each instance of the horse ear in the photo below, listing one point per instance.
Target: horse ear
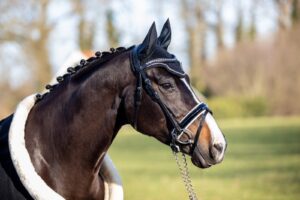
(149, 42)
(164, 38)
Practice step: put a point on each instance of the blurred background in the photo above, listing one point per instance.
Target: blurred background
(242, 55)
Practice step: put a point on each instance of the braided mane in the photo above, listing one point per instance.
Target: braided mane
(84, 67)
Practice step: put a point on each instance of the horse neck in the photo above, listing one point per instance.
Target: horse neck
(77, 127)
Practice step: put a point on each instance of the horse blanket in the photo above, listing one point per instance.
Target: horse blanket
(10, 184)
(18, 179)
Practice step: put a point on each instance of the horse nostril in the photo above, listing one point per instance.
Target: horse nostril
(219, 147)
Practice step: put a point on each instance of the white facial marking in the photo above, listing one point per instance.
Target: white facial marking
(190, 89)
(216, 134)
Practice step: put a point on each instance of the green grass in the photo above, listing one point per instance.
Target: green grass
(262, 162)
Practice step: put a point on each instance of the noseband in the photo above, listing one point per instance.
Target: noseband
(143, 82)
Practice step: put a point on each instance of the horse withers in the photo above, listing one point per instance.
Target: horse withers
(70, 128)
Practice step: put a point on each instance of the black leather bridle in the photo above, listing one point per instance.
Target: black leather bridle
(178, 128)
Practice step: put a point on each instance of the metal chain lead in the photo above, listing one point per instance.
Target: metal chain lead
(185, 175)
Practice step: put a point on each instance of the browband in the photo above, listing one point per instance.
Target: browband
(172, 65)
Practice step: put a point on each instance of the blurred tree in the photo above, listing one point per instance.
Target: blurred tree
(265, 71)
(295, 11)
(111, 29)
(252, 29)
(219, 26)
(241, 33)
(195, 25)
(86, 28)
(32, 33)
(239, 30)
(27, 24)
(284, 13)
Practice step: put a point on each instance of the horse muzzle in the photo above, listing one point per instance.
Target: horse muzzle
(206, 158)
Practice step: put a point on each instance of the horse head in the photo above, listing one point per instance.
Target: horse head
(165, 105)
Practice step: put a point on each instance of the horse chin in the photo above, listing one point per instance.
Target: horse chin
(199, 161)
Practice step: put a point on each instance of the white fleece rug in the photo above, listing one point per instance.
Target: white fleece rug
(34, 184)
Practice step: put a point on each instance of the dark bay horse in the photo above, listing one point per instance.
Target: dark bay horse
(69, 129)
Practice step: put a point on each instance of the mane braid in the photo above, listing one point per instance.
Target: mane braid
(84, 67)
(103, 58)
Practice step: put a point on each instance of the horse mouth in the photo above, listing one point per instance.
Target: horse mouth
(199, 161)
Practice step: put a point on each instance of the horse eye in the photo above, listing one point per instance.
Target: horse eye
(166, 86)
